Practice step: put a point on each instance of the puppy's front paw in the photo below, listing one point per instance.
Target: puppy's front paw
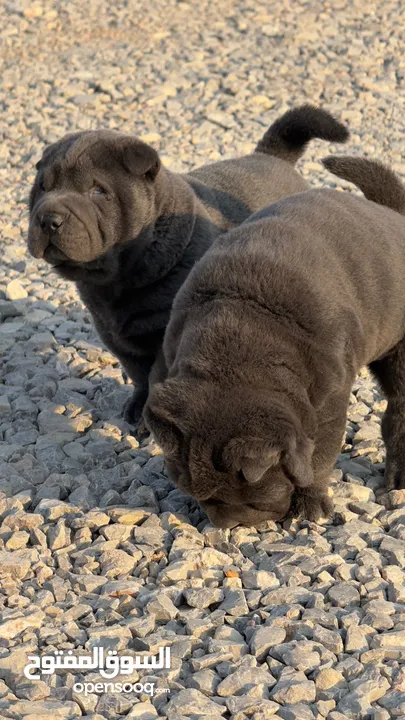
(311, 504)
(141, 432)
(132, 414)
(133, 408)
(394, 477)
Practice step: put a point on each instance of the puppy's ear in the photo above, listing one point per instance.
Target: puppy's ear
(252, 457)
(138, 158)
(160, 416)
(297, 461)
(254, 469)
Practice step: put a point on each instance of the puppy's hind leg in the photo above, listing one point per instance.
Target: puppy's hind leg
(390, 373)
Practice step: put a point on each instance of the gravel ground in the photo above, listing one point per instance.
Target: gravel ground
(296, 621)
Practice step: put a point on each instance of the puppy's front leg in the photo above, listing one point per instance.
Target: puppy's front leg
(138, 371)
(393, 431)
(314, 502)
(390, 372)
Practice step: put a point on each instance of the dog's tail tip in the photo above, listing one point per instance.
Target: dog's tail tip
(331, 163)
(289, 135)
(376, 181)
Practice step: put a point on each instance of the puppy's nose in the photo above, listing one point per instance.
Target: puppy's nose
(51, 222)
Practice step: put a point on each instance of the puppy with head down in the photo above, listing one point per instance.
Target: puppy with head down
(106, 214)
(265, 340)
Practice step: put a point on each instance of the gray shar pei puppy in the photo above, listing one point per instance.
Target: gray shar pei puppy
(106, 214)
(265, 340)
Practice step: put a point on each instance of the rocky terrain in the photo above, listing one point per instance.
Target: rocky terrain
(97, 549)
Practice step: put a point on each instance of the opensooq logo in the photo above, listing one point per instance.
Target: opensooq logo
(108, 664)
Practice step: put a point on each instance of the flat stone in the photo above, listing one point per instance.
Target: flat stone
(128, 516)
(15, 291)
(47, 708)
(379, 655)
(9, 629)
(162, 608)
(396, 498)
(357, 704)
(242, 679)
(122, 588)
(344, 595)
(265, 638)
(8, 310)
(12, 666)
(235, 603)
(33, 690)
(328, 638)
(394, 702)
(302, 657)
(188, 703)
(296, 712)
(356, 639)
(58, 535)
(389, 639)
(52, 422)
(41, 341)
(112, 638)
(210, 660)
(329, 678)
(116, 562)
(5, 406)
(13, 565)
(290, 692)
(206, 681)
(260, 579)
(247, 706)
(204, 597)
(143, 711)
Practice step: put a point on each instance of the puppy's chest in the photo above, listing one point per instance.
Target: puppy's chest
(124, 316)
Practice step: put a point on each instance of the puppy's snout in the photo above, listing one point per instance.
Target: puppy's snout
(51, 222)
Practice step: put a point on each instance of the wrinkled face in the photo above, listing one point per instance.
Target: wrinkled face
(93, 191)
(235, 501)
(240, 459)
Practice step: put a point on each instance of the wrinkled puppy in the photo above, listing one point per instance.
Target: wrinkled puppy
(106, 214)
(265, 340)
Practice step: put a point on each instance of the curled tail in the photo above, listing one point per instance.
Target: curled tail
(289, 136)
(376, 181)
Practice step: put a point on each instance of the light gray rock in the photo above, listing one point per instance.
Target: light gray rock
(265, 638)
(243, 679)
(235, 603)
(13, 625)
(14, 564)
(162, 608)
(294, 689)
(330, 639)
(357, 703)
(203, 597)
(300, 711)
(15, 290)
(192, 703)
(344, 595)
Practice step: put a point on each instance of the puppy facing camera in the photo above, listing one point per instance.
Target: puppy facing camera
(107, 215)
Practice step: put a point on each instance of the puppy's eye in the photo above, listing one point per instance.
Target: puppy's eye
(97, 190)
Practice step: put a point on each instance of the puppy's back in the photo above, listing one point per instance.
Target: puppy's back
(330, 261)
